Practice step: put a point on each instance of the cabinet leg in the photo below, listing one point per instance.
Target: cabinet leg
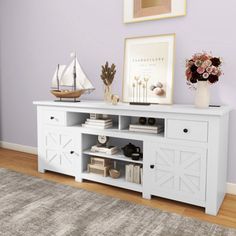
(147, 196)
(41, 170)
(78, 179)
(211, 211)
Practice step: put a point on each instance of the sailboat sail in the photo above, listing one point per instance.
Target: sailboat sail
(59, 71)
(82, 81)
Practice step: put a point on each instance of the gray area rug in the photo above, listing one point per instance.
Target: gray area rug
(32, 206)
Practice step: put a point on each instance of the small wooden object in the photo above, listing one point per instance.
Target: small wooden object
(115, 174)
(100, 161)
(98, 169)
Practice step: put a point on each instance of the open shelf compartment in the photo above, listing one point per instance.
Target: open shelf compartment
(131, 124)
(121, 161)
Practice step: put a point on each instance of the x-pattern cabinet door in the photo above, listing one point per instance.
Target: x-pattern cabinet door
(61, 150)
(176, 172)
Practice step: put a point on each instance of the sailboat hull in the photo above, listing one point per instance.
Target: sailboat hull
(68, 94)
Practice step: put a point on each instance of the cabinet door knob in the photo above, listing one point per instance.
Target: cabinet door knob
(72, 152)
(152, 166)
(52, 118)
(185, 130)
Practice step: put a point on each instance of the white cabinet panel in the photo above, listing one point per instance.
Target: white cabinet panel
(61, 149)
(177, 172)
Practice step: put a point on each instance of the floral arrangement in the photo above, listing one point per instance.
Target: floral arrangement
(203, 67)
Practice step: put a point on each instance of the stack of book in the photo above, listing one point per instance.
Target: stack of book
(103, 123)
(146, 128)
(110, 150)
(134, 173)
(99, 166)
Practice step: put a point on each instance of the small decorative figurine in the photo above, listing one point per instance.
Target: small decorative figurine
(114, 99)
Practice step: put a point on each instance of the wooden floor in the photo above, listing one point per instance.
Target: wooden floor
(27, 164)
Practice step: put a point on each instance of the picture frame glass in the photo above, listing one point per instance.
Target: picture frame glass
(148, 69)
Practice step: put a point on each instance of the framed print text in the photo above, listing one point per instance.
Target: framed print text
(149, 69)
(142, 10)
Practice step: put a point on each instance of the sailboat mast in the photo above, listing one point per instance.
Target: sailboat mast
(58, 67)
(74, 73)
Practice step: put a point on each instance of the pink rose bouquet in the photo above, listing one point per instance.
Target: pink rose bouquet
(203, 67)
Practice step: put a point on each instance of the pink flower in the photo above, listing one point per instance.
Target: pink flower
(189, 63)
(219, 73)
(209, 69)
(207, 63)
(188, 74)
(196, 56)
(214, 70)
(205, 75)
(204, 57)
(200, 70)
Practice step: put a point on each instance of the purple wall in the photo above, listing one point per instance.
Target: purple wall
(36, 35)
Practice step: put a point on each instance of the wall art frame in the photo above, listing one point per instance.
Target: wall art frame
(149, 69)
(144, 10)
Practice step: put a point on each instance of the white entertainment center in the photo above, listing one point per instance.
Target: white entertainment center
(187, 162)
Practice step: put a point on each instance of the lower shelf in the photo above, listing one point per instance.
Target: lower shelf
(121, 182)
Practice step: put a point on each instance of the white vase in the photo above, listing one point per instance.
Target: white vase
(202, 96)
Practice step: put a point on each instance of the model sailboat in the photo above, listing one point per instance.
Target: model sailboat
(73, 78)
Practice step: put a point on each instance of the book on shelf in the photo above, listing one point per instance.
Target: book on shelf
(86, 125)
(111, 150)
(133, 173)
(98, 124)
(141, 175)
(136, 174)
(99, 121)
(147, 131)
(146, 128)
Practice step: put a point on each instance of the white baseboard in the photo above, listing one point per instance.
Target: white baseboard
(231, 187)
(18, 147)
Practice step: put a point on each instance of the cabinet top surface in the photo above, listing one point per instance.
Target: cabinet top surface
(100, 105)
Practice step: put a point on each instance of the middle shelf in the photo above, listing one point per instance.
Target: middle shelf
(118, 156)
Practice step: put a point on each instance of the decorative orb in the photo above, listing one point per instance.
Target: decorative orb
(152, 87)
(159, 91)
(142, 120)
(151, 121)
(159, 85)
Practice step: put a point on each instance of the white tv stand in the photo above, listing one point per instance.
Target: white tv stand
(187, 162)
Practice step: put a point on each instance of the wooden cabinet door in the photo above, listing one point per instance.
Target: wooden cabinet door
(177, 172)
(61, 150)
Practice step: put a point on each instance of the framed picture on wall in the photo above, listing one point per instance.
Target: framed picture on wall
(149, 69)
(142, 10)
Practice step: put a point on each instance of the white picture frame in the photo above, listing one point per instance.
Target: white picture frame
(149, 69)
(144, 10)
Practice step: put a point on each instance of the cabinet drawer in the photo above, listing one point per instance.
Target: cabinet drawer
(187, 130)
(54, 118)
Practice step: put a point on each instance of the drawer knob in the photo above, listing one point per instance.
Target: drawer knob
(185, 130)
(152, 166)
(72, 152)
(52, 117)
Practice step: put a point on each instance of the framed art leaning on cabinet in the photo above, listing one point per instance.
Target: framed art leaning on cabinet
(142, 10)
(149, 69)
